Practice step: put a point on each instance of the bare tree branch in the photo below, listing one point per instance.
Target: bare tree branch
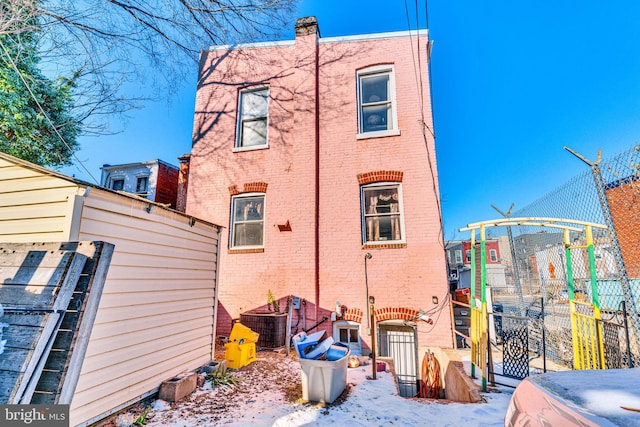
(120, 52)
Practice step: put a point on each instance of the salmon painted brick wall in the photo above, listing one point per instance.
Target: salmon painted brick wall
(313, 127)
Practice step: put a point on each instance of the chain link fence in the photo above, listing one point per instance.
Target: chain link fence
(534, 267)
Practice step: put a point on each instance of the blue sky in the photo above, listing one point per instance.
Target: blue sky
(512, 83)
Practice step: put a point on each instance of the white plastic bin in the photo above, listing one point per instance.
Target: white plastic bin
(323, 380)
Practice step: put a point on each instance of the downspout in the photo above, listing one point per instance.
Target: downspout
(317, 175)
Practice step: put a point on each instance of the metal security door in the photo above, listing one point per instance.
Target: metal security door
(399, 342)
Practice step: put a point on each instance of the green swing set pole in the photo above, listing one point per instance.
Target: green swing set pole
(472, 301)
(483, 297)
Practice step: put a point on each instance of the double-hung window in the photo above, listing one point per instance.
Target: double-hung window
(382, 220)
(458, 257)
(376, 102)
(142, 185)
(247, 221)
(253, 118)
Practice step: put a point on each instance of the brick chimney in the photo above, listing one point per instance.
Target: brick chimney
(306, 26)
(183, 182)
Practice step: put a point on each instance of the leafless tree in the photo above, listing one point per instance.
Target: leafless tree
(116, 50)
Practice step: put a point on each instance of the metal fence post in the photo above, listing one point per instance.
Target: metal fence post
(617, 253)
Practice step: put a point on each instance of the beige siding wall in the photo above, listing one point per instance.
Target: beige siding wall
(155, 317)
(34, 206)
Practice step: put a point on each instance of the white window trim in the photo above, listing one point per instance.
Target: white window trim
(237, 147)
(348, 324)
(378, 69)
(458, 256)
(493, 255)
(232, 222)
(363, 220)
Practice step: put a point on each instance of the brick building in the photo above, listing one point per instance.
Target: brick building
(318, 153)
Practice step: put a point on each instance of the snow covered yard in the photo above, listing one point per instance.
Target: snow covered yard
(269, 392)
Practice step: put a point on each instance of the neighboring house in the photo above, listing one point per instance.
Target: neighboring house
(459, 263)
(155, 315)
(153, 180)
(318, 154)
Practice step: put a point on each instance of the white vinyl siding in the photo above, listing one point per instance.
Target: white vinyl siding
(156, 310)
(156, 316)
(34, 207)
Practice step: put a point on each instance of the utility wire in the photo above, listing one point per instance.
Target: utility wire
(46, 116)
(417, 67)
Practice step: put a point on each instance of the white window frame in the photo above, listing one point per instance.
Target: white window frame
(355, 347)
(233, 222)
(240, 120)
(392, 129)
(493, 255)
(365, 216)
(458, 253)
(146, 189)
(467, 255)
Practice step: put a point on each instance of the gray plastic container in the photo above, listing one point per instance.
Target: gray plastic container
(323, 380)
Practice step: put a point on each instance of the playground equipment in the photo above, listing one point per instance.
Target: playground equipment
(586, 328)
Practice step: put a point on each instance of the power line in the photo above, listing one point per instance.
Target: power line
(46, 116)
(417, 67)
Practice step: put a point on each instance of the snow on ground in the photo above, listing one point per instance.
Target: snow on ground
(269, 394)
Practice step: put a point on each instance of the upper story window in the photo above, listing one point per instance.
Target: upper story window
(468, 255)
(117, 184)
(376, 102)
(458, 257)
(382, 213)
(247, 221)
(253, 118)
(142, 185)
(493, 255)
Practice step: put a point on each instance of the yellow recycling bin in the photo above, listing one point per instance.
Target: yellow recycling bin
(241, 350)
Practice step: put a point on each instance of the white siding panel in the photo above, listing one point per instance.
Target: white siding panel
(122, 299)
(157, 285)
(117, 361)
(36, 197)
(120, 346)
(138, 383)
(155, 318)
(141, 311)
(34, 206)
(39, 211)
(136, 231)
(107, 358)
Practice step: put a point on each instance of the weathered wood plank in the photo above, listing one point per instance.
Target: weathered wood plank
(7, 381)
(22, 336)
(98, 270)
(61, 302)
(30, 330)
